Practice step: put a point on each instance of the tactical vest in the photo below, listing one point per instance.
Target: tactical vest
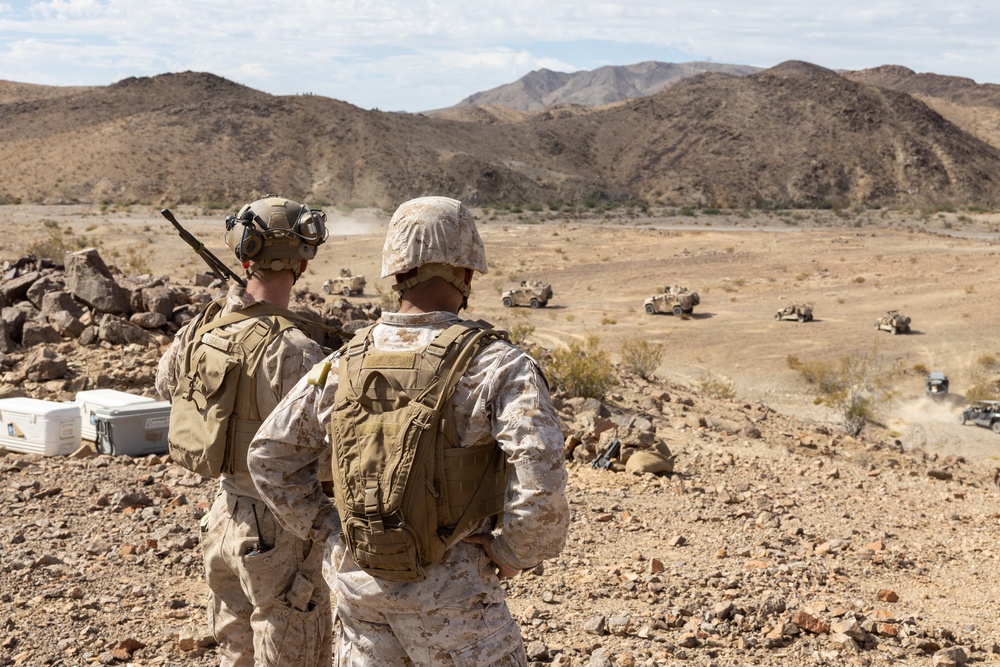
(210, 430)
(403, 484)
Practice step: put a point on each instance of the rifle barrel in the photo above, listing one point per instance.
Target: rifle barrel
(216, 265)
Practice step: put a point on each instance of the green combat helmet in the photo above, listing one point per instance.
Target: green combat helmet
(275, 233)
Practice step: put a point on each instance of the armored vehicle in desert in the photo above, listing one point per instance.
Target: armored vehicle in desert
(894, 322)
(796, 311)
(936, 385)
(531, 293)
(346, 283)
(675, 299)
(982, 413)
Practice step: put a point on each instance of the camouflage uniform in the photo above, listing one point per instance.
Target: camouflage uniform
(250, 610)
(456, 614)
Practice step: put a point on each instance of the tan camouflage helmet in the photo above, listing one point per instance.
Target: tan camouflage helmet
(430, 232)
(275, 233)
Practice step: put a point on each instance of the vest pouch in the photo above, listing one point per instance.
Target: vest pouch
(403, 486)
(390, 555)
(200, 409)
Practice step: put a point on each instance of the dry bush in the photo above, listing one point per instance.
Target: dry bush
(716, 387)
(641, 357)
(582, 370)
(388, 299)
(856, 388)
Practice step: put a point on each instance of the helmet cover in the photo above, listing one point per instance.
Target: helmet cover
(432, 230)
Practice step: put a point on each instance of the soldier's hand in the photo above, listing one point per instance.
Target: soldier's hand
(486, 541)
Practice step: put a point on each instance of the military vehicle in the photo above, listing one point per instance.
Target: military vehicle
(676, 300)
(529, 293)
(936, 386)
(893, 321)
(982, 413)
(346, 283)
(796, 311)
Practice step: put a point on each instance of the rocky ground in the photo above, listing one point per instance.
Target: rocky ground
(774, 542)
(777, 539)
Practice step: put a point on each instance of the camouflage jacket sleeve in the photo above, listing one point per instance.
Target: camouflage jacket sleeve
(286, 454)
(170, 362)
(525, 424)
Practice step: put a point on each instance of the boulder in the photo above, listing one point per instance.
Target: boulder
(44, 285)
(39, 333)
(41, 364)
(14, 319)
(66, 325)
(60, 300)
(7, 344)
(117, 331)
(89, 280)
(159, 299)
(148, 320)
(16, 289)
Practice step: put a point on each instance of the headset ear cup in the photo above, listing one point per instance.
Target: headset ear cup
(250, 244)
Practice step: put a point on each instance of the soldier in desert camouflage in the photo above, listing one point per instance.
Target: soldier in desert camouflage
(450, 610)
(269, 605)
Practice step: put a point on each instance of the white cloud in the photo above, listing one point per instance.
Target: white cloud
(430, 53)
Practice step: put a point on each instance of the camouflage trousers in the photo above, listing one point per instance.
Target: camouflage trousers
(471, 633)
(269, 607)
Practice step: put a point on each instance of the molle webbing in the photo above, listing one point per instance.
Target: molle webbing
(402, 482)
(214, 413)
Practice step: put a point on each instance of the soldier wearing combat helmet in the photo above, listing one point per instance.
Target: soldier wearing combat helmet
(411, 589)
(224, 372)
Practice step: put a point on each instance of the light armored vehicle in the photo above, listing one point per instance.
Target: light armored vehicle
(797, 311)
(529, 293)
(982, 413)
(676, 300)
(346, 283)
(936, 386)
(894, 322)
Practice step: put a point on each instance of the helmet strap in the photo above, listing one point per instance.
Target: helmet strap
(444, 271)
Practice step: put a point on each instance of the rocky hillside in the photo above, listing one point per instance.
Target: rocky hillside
(959, 90)
(544, 88)
(794, 134)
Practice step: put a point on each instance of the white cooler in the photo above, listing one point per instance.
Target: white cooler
(102, 398)
(136, 429)
(34, 426)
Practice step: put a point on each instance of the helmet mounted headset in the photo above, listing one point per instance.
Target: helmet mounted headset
(275, 233)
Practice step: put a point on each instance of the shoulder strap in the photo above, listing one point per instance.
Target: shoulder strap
(469, 336)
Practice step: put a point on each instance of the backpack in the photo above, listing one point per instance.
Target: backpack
(403, 485)
(210, 430)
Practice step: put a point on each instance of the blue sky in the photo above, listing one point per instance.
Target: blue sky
(418, 55)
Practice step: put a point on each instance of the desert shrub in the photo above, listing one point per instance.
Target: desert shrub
(581, 369)
(716, 387)
(987, 361)
(54, 247)
(388, 299)
(519, 332)
(855, 388)
(641, 357)
(132, 260)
